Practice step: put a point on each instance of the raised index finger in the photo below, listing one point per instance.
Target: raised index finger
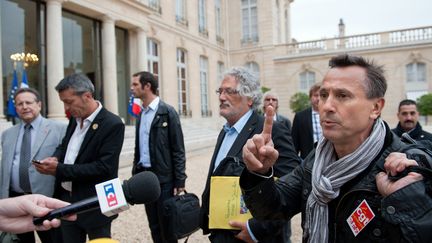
(268, 124)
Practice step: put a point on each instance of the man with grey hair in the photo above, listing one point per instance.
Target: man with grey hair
(89, 154)
(271, 98)
(351, 187)
(239, 98)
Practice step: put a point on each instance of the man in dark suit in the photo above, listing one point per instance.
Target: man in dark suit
(19, 177)
(272, 99)
(159, 147)
(89, 154)
(306, 129)
(408, 122)
(239, 97)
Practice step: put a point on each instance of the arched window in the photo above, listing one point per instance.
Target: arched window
(253, 66)
(416, 83)
(307, 79)
(416, 72)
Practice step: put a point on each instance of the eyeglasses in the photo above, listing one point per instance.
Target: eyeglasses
(227, 91)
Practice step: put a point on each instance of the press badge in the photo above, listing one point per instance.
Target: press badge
(361, 217)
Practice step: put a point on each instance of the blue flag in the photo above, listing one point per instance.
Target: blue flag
(11, 101)
(24, 81)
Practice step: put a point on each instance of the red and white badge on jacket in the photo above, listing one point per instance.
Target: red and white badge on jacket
(361, 217)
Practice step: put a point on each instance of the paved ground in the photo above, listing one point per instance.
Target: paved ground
(131, 226)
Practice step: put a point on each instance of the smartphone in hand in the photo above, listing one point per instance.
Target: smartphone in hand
(37, 161)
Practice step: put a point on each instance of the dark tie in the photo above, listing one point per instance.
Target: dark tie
(25, 159)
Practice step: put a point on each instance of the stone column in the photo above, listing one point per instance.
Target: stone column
(109, 64)
(55, 68)
(288, 21)
(141, 49)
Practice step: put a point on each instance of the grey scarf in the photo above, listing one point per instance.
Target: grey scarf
(329, 175)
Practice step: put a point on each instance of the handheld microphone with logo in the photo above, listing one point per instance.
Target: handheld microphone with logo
(112, 197)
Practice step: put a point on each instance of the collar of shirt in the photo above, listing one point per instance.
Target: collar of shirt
(90, 118)
(35, 123)
(153, 105)
(238, 126)
(314, 112)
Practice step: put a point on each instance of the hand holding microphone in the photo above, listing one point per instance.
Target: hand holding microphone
(111, 199)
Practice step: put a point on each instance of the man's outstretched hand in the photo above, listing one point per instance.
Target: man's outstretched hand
(259, 153)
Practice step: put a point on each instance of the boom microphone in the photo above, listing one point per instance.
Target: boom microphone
(111, 197)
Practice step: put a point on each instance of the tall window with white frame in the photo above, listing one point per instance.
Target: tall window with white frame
(202, 17)
(307, 79)
(181, 12)
(153, 60)
(218, 20)
(249, 21)
(204, 87)
(220, 71)
(416, 83)
(183, 93)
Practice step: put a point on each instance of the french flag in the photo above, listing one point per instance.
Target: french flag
(134, 105)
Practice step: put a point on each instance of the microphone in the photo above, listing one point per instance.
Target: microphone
(111, 198)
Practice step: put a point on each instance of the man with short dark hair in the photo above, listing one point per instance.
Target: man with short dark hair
(344, 188)
(408, 121)
(306, 129)
(88, 155)
(159, 147)
(34, 138)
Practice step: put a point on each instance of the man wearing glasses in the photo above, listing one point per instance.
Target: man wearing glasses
(239, 98)
(34, 138)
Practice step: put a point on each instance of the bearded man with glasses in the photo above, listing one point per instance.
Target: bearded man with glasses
(239, 98)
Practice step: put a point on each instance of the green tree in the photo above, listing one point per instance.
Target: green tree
(299, 101)
(424, 105)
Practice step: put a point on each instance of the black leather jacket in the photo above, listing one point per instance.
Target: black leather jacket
(404, 216)
(166, 145)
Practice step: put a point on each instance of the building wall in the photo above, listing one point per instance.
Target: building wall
(279, 65)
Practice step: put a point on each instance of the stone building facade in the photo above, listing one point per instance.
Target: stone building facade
(188, 44)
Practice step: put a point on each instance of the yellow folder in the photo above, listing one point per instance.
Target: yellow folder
(226, 202)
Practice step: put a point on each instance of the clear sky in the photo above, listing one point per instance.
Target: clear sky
(316, 19)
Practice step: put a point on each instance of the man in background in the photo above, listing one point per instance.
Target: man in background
(306, 129)
(408, 121)
(159, 147)
(89, 154)
(272, 99)
(35, 138)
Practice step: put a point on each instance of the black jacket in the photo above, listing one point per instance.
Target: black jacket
(302, 132)
(286, 162)
(97, 161)
(166, 145)
(417, 133)
(404, 216)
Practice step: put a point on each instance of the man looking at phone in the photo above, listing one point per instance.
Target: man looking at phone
(34, 138)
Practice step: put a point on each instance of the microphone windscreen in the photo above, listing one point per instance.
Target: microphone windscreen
(142, 188)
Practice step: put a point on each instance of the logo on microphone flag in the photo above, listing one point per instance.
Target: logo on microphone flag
(111, 197)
